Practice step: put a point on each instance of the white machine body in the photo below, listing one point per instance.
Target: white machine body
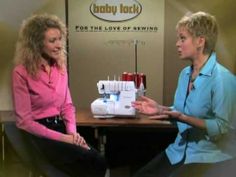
(116, 100)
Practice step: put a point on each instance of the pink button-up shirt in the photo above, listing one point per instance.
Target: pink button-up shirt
(46, 96)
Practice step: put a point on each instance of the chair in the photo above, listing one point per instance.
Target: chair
(21, 147)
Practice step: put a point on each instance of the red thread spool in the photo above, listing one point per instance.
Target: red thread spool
(143, 79)
(124, 76)
(136, 80)
(130, 77)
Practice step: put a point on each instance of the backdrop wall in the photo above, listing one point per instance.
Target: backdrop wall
(100, 48)
(157, 56)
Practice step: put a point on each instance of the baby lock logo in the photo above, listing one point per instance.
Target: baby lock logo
(115, 10)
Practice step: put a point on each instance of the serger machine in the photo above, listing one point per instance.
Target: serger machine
(116, 99)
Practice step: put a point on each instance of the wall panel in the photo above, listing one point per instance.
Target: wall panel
(96, 54)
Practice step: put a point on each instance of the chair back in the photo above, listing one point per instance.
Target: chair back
(24, 150)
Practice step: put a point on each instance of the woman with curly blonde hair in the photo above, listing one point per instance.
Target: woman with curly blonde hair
(31, 41)
(42, 101)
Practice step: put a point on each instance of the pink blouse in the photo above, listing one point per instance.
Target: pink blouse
(46, 96)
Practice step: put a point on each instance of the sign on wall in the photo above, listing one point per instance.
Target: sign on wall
(112, 10)
(116, 11)
(102, 34)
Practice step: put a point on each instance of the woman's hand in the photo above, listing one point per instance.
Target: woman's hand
(168, 114)
(79, 141)
(148, 106)
(181, 117)
(76, 139)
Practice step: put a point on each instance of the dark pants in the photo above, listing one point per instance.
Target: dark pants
(73, 160)
(160, 166)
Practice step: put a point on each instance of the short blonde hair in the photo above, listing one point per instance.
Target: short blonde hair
(201, 24)
(30, 41)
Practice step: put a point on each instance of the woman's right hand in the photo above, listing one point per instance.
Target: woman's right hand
(75, 139)
(149, 107)
(80, 141)
(146, 106)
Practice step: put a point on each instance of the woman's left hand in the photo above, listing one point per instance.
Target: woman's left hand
(167, 115)
(80, 141)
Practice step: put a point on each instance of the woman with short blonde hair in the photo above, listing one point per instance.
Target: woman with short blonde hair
(204, 108)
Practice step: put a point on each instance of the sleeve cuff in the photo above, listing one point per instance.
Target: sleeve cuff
(212, 128)
(70, 128)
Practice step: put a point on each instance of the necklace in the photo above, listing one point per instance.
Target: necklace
(193, 77)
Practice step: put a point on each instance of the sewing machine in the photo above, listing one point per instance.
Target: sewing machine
(116, 99)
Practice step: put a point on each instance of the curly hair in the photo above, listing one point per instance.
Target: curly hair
(30, 42)
(201, 24)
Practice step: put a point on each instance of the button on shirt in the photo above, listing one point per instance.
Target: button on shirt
(213, 99)
(44, 96)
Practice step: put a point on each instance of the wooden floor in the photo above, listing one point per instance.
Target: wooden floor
(127, 150)
(17, 170)
(13, 167)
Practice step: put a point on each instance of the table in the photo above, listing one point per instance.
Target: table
(84, 117)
